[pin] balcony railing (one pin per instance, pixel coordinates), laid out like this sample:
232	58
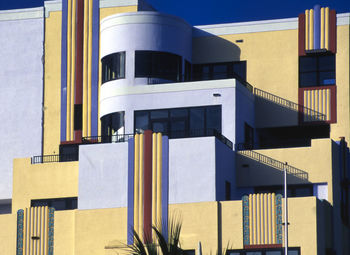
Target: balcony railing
246	151
316	116
54	158
171	134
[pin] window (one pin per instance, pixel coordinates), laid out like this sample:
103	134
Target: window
113	67
227	190
154	64
248	137
317	70
67	203
223	70
180	122
112	126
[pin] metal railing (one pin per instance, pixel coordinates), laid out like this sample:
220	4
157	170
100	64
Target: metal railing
316	116
171	134
107	139
54	158
241	149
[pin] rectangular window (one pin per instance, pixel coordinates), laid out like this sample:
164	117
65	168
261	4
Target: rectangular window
316	70
113	67
222	70
67	203
227	190
180	122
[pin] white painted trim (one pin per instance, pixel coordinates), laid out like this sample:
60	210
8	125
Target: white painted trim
142	17
52	6
343	19
114	3
257	26
107	92
20	14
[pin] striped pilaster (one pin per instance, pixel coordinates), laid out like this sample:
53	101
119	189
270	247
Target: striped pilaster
147	185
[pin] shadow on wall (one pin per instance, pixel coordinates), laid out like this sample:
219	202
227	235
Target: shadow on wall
255	169
202	48
272	111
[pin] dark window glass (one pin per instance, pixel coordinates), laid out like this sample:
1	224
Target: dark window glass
112	125
227	190
222	70
240	70
113	67
78	117
159	114
188	71
153	64
213	118
197	121
248	136
308	79
181	112
180	122
68	203
316	70
327	78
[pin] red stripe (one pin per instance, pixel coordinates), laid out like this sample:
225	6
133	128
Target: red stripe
78	136
302	34
334	104
79	52
147	188
332	31
301	106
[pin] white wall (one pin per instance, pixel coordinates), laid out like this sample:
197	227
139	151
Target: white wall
21	84
194	172
115	98
144	31
103	175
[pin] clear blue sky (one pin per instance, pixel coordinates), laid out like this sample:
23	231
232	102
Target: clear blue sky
198	12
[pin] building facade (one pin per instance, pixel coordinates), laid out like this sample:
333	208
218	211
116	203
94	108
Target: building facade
133	117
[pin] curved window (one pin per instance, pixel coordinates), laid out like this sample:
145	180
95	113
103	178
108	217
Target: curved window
112	126
113	67
154	64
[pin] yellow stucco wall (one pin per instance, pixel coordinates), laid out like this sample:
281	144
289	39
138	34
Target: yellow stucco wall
8	233
64	231
342	127
272	58
97	229
52	83
103	231
38	181
315	160
302	231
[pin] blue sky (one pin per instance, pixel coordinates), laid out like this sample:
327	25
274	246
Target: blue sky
200	12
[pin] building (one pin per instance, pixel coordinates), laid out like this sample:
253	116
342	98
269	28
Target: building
131	116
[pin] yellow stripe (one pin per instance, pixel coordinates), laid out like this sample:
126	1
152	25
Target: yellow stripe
89	68
136	183
311	22
273	198
69	60
250	220
329	104
307	29
141	188
322	28
265	219
73	70
254	218
159	178
269	209
85	71
326	29
154	179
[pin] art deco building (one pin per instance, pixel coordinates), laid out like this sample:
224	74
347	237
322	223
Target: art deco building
116	117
